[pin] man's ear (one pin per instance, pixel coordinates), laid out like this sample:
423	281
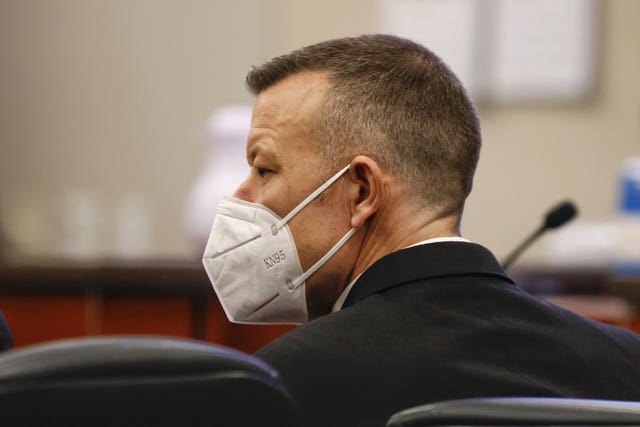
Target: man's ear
366	191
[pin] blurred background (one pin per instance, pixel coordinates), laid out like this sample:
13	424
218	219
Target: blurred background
104	104
107	108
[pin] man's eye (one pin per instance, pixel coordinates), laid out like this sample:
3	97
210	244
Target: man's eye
262	172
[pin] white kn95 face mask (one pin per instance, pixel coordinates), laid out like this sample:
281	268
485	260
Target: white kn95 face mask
252	261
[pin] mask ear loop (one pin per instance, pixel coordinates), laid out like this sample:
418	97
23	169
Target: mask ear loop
276	227
308	200
300	280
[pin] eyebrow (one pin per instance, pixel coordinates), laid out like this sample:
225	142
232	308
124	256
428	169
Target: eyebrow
258	148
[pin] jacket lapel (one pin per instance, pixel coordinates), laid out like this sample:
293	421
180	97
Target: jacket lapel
425	262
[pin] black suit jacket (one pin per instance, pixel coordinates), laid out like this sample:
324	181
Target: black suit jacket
6	341
443	321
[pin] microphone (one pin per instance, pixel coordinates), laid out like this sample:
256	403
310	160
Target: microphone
556	217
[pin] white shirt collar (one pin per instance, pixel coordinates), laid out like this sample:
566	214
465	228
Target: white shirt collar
340	301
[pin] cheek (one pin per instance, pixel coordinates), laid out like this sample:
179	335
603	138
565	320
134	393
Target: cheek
315	231
306	234
281	196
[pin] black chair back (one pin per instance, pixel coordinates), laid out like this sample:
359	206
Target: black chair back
512	411
133	381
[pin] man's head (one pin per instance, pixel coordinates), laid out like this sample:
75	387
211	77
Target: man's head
390	110
394	101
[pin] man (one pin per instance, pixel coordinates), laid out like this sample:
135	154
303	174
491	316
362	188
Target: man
402	311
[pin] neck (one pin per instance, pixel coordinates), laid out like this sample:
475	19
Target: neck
392	230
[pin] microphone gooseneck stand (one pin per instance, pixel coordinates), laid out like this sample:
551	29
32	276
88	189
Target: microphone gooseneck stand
556	217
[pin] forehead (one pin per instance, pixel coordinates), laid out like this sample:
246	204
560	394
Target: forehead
289	107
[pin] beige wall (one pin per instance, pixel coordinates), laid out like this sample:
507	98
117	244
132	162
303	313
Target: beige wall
534	157
104	99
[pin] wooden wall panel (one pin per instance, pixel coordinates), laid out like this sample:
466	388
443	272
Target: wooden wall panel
149	316
49	302
37	318
217	325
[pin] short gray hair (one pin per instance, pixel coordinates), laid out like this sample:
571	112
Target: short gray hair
395	101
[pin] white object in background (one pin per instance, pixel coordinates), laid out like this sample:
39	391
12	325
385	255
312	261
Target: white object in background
133	221
446	27
544	50
80	222
582	243
224	170
505	51
627	253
